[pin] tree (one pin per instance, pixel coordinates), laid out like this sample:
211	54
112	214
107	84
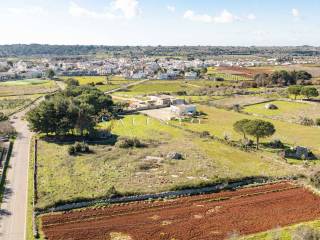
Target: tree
303	75
295	90
50	74
309	92
239	127
72	82
259	129
75	108
85	120
283	78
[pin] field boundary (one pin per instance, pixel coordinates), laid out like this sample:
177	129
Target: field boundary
214	188
25	107
7	157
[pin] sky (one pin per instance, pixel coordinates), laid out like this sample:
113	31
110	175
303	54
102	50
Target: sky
161	22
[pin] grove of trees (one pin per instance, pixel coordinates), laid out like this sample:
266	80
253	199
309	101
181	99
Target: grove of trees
306	91
76	110
281	78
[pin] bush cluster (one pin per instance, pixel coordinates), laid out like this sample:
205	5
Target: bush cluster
130	143
78	148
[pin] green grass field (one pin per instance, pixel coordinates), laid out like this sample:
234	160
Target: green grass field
283	108
287	111
25	82
156	86
219	122
27	87
115	80
64	177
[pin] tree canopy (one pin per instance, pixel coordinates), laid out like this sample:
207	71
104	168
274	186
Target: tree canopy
73	110
295	90
256	128
309	92
282	78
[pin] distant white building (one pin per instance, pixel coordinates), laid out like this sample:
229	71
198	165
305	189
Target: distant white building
161	100
183	109
191	75
163	76
139	75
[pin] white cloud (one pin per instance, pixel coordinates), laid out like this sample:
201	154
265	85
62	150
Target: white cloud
171	8
129	8
118	9
224	17
33	10
295	12
190	15
251	16
76	11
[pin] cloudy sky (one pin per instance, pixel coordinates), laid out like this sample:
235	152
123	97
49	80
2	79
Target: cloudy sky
161	22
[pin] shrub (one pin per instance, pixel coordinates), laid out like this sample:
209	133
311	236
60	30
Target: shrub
84	148
204	134
318	122
112	192
3	117
78	147
315	179
99	83
305	233
306	121
276	144
71	150
130	143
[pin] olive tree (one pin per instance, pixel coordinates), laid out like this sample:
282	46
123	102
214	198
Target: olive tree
239	127
309	92
295	90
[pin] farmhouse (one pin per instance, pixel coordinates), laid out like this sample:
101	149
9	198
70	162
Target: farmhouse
162	99
183	109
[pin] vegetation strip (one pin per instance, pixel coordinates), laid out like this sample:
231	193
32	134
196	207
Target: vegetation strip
188	192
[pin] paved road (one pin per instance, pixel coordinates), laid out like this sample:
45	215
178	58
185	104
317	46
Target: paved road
14	206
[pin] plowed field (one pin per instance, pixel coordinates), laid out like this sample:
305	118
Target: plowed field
213	216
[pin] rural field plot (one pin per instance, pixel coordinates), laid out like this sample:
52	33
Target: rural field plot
206	217
145	170
11	104
169	86
27	87
229	102
220	122
287	111
230	74
158	86
114	81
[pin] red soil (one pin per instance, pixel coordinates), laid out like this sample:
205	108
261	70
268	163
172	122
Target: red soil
213	216
242	71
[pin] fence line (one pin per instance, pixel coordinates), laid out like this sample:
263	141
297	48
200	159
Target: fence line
35	190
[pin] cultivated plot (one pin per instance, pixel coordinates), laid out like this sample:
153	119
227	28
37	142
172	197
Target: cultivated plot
207	217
